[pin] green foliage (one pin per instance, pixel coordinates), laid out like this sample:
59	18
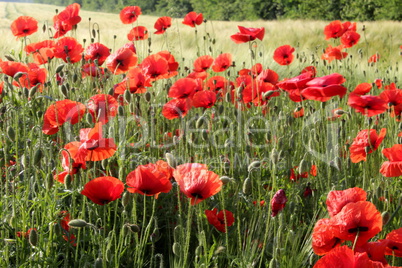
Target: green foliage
361	10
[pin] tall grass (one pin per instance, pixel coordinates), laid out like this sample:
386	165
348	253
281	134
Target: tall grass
140	231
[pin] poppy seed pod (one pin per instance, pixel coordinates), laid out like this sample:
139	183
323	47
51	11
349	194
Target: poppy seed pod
33	237
77	223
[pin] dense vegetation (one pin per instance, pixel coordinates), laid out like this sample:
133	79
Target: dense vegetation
360	10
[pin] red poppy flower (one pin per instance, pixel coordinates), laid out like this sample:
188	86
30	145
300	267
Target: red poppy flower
97	51
268	76
278	202
358	221
138	33
294	85
68	49
130	14
248	34
10	68
336	200
121	61
375	250
94	145
162	24
103	190
184	88
219	84
34	77
362	146
155	67
362	89
283	55
220	220
59	113
344	257
394	243
349	39
102	107
65	20
367	104
176	108
335	29
374	58
90	69
378	83
196	181
24	26
136	82
70	168
204	99
393	97
192	19
42	51
149	180
393	167
323	88
203	63
172	63
254	71
222	62
333	53
323	240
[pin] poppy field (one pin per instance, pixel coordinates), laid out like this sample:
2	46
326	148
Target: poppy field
138	141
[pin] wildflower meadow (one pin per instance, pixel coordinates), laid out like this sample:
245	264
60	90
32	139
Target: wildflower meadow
137	141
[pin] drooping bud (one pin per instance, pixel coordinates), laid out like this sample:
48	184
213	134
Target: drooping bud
77	223
247	186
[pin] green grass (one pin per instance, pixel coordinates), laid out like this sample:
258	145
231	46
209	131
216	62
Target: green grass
172	233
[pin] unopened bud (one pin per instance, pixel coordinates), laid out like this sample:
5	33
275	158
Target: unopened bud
176	248
33	237
147	96
59	68
68	181
200	122
37	157
125	200
11	133
385	217
133	228
171	160
303	166
98	263
127	96
63	90
225	179
77	223
247	187
339	112
254	165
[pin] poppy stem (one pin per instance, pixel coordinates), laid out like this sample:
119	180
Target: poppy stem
357	236
188	232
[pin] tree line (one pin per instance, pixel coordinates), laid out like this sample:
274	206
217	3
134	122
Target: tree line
358	10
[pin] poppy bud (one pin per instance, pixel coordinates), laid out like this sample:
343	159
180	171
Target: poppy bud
221	109
254	165
32	91
367	149
98	263
9	57
57	229
25	91
18	75
303	166
205	135
77	223
111	91
385	217
63	90
11	133
225	179
127	96
200	121
176	249
278	202
37	156
171	160
267	94
59	68
219	250
275	156
133	228
33	237
147	96
247	186
67	181
339	112
49	181
125	200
